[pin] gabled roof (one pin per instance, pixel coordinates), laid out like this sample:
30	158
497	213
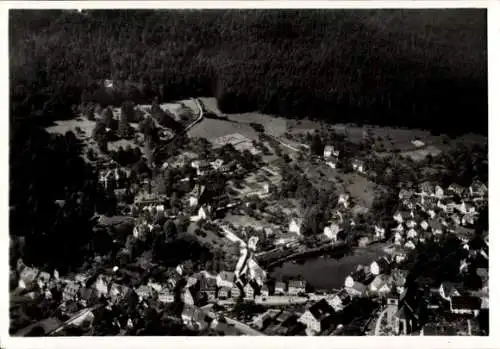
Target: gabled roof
297	283
379	281
208	284
321	310
280	284
227	276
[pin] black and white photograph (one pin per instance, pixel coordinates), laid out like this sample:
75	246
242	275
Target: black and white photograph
247	171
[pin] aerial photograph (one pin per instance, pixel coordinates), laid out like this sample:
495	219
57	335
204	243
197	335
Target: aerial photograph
248	172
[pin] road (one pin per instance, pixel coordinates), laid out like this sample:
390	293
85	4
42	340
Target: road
240	326
188	127
244	328
378	324
82	313
284	144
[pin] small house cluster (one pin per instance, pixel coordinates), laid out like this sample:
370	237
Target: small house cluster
431	211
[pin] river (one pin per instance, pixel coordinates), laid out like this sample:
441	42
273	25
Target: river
326	273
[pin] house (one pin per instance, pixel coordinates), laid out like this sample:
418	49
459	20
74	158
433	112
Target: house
465	305
70	291
436	227
478	189
408	204
296	287
456	189
145	292
43	279
410	245
340	300
201	166
225	279
364	241
118	292
331	232
358	166
87	296
295	226
398	277
264	291
264	319
332	164
405	194
279	288
195	318
411	223
379	266
140	231
27	277
431	213
248	291
398	239
381	285
328	151
441	206
405	319
449	289
286	239
379	233
464	234
217	164
402	217
468	219
195	195
102	285
357	289
223	292
484	275
438	192
208	286
455	219
398	255
411	234
424	225
343	200
316	317
204	212
166	296
426	188
400	228
235	292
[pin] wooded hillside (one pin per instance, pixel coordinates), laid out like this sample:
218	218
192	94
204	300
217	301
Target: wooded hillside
416	68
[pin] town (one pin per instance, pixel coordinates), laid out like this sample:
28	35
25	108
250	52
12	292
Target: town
200	235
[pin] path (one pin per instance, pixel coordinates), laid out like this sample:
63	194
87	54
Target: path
378	324
81	314
240	326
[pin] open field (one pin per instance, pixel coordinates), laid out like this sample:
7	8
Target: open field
212	129
211	238
244	221
273	125
63	126
360	188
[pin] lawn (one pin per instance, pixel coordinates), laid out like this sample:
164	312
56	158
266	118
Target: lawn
212	129
211	238
273	125
360	188
63	126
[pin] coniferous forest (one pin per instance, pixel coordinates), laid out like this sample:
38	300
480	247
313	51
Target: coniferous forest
412	68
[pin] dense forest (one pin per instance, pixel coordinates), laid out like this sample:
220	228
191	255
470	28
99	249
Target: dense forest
410	68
